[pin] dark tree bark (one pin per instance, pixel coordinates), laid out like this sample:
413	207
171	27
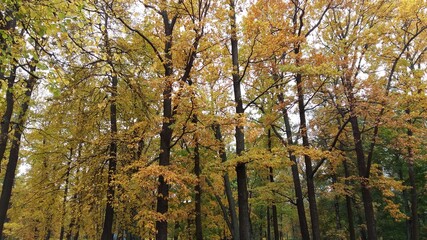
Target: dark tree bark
268	218
273	207
348	202
166	132
7	115
107	230
295	176
362	166
75	206
229	194
414	233
18	129
64	199
308	163
364	184
336	207
198	188
242	178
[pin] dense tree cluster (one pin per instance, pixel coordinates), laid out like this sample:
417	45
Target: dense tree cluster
266	119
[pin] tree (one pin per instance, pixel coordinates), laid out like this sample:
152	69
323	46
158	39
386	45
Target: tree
150	119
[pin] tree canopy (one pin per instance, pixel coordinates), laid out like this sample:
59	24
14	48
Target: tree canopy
266	119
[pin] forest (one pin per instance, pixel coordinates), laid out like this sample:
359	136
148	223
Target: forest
205	119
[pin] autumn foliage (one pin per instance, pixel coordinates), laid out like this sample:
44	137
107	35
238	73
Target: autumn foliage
268	119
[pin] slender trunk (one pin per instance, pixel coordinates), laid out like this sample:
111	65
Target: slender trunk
366	193
48	234
175	232
18	129
7	115
64	199
350	214
274	212
314	216
362	227
300	199
275	223
198	190
273	207
76	236
107	232
224	211
75	205
227	186
268	235
242	178
336	206
295	176
405	200
74	226
413	191
166	132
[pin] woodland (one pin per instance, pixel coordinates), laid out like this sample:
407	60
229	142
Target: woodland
204	119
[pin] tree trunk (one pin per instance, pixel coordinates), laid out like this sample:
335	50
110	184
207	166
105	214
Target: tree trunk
7	115
414	234
18	129
198	190
314	216
405	200
107	232
166	132
268	235
364	184
242	178
295	176
336	206
273	207
227	187
64	199
350	214
175	232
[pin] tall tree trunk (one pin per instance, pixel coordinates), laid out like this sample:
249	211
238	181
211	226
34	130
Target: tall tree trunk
198	188
350	214
75	205
227	187
295	176
268	218
175	232
362	228
336	207
7	115
308	163
107	232
242	178
64	199
166	132
18	129
275	223
413	192
405	200
364	184
273	207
